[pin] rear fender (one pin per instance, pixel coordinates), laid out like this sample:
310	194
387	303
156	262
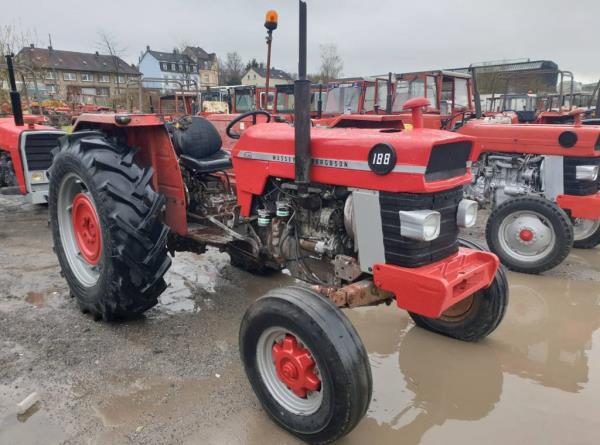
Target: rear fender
149	135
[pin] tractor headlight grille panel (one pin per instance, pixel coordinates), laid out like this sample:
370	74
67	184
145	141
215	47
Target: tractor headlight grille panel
586	172
422	225
466	215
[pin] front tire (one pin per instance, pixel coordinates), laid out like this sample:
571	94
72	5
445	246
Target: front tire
306	364
476	316
586	233
107	227
529	234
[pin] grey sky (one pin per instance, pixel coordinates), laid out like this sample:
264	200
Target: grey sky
372	36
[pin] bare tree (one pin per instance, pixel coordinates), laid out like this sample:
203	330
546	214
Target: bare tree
13	38
232	69
113	48
331	62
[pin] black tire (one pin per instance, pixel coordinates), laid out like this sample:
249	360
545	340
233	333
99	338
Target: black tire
559	223
343	363
589	242
486	310
196	137
133	236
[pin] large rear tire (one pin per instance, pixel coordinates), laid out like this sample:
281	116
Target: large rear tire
306	364
107	226
529	234
475	317
586	232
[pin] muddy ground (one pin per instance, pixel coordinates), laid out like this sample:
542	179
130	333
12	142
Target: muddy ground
174	377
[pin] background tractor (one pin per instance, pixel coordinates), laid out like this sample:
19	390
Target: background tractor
25	150
363	216
540	180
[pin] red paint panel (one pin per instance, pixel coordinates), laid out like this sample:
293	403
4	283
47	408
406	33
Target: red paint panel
430	290
581	206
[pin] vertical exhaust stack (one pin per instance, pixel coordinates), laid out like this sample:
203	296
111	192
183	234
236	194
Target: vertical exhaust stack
302	108
15	97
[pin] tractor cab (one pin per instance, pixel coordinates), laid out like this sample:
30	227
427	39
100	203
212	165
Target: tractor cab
249	98
525	106
449	92
284	100
356	96
178	104
216	100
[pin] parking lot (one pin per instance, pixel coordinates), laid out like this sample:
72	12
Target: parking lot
175	376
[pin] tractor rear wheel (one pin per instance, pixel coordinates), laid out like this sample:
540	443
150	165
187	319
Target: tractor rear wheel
306	364
475	317
586	233
529	234
107	226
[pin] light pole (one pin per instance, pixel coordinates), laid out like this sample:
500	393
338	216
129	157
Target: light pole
271	25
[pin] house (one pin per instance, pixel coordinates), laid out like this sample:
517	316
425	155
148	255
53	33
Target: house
73	76
258	76
208	65
176	71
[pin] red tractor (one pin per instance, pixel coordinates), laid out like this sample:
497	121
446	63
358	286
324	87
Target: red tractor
25	150
364	216
540	180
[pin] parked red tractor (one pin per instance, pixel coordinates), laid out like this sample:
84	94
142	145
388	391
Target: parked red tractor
540	180
366	216
25	150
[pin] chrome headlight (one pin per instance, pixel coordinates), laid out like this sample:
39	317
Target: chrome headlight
586	172
37	177
422	225
466	215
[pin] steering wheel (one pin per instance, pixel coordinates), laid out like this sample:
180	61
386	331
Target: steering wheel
253	113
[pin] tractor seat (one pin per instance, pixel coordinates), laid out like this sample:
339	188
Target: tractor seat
221	160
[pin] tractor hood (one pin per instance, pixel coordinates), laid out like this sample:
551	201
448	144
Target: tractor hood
418	161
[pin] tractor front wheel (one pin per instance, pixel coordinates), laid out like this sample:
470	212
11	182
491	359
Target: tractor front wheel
586	233
529	234
475	317
107	227
306	364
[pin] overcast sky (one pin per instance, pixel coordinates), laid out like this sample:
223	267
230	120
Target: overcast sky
373	36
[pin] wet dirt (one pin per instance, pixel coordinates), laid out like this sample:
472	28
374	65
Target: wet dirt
174	376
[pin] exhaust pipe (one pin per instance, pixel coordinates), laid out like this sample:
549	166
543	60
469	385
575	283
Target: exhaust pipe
302	108
15	97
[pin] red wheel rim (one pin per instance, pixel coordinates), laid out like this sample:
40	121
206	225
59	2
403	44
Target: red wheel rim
295	366
86	227
526	235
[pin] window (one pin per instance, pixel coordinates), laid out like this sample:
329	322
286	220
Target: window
193	67
432	91
88	91
104	78
461	94
164	66
102	91
121	79
206	78
180	67
369	104
343	98
172	67
69	76
406	90
51	89
87	77
50	75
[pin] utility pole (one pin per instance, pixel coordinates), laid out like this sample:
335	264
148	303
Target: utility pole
271	25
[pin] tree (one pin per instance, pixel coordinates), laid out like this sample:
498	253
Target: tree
13	38
232	69
252	64
110	45
331	62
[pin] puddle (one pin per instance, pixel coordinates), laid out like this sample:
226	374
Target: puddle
35	428
542	363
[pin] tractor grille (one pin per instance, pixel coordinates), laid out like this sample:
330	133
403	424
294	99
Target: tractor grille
573	186
448	161
38	149
406	252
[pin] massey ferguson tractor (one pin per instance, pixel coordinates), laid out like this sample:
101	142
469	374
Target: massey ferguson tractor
540	180
25	149
363	216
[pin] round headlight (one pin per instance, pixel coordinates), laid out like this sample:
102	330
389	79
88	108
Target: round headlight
431	227
466	215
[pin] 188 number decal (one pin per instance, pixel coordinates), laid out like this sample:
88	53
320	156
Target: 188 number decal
382	159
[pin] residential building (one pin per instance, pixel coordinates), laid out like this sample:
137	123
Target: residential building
74	76
169	71
207	63
258	76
